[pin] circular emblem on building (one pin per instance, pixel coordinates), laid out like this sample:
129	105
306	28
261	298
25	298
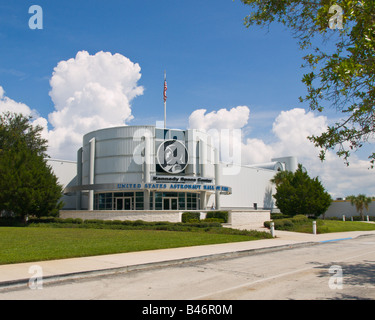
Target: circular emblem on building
172	156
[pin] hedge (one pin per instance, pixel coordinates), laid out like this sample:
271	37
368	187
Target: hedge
288	223
187	216
223	215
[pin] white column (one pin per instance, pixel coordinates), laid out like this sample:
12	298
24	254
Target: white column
147	159
79	178
203	156
147	175
217	179
92	173
203	200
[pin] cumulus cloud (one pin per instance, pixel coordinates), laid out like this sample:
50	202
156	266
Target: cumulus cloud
224	126
90	92
234	118
290	131
7	104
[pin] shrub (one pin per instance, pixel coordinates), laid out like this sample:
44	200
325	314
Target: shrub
287	224
139	223
214	220
275	216
69	220
11	222
218	215
300	218
187	216
297	193
93	221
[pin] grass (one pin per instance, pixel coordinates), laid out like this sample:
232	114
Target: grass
20	244
327	226
302	224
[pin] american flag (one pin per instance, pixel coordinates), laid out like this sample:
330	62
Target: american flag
165	88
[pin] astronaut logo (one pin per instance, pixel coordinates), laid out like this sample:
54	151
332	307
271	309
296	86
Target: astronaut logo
172	156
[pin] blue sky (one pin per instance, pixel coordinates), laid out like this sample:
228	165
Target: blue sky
212	61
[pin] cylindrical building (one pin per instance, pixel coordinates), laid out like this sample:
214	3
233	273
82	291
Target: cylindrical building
145	168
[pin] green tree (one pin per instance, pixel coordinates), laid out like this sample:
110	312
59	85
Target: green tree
297	193
342	64
360	202
27	184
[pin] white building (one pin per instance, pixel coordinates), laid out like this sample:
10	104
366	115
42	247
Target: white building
144	168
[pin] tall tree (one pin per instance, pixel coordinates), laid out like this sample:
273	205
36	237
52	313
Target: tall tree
27	184
343	78
297	193
360	202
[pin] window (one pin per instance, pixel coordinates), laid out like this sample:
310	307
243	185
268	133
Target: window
103	201
119	201
151	200
139	200
181	201
158	200
191	201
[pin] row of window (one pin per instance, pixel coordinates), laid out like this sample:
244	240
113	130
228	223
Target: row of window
174	201
135	201
119	201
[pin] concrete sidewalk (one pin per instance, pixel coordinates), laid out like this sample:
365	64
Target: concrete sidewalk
60	270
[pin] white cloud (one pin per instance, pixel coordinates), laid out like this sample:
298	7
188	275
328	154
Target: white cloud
7	104
234	118
256	151
224	126
90	92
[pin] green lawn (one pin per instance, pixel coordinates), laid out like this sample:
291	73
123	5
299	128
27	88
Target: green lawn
37	244
300	223
327	226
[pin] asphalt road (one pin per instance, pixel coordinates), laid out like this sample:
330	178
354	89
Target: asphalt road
334	270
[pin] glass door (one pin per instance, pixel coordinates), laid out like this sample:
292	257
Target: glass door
166	204
174	203
127	203
124	203
170	203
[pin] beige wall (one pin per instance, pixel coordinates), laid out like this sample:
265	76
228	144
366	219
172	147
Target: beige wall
236	217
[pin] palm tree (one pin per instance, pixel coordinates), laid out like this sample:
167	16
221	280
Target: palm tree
360	202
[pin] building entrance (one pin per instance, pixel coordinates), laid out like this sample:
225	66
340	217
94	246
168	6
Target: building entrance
170	203
124	203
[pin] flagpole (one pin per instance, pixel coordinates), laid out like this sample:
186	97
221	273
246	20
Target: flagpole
165	100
